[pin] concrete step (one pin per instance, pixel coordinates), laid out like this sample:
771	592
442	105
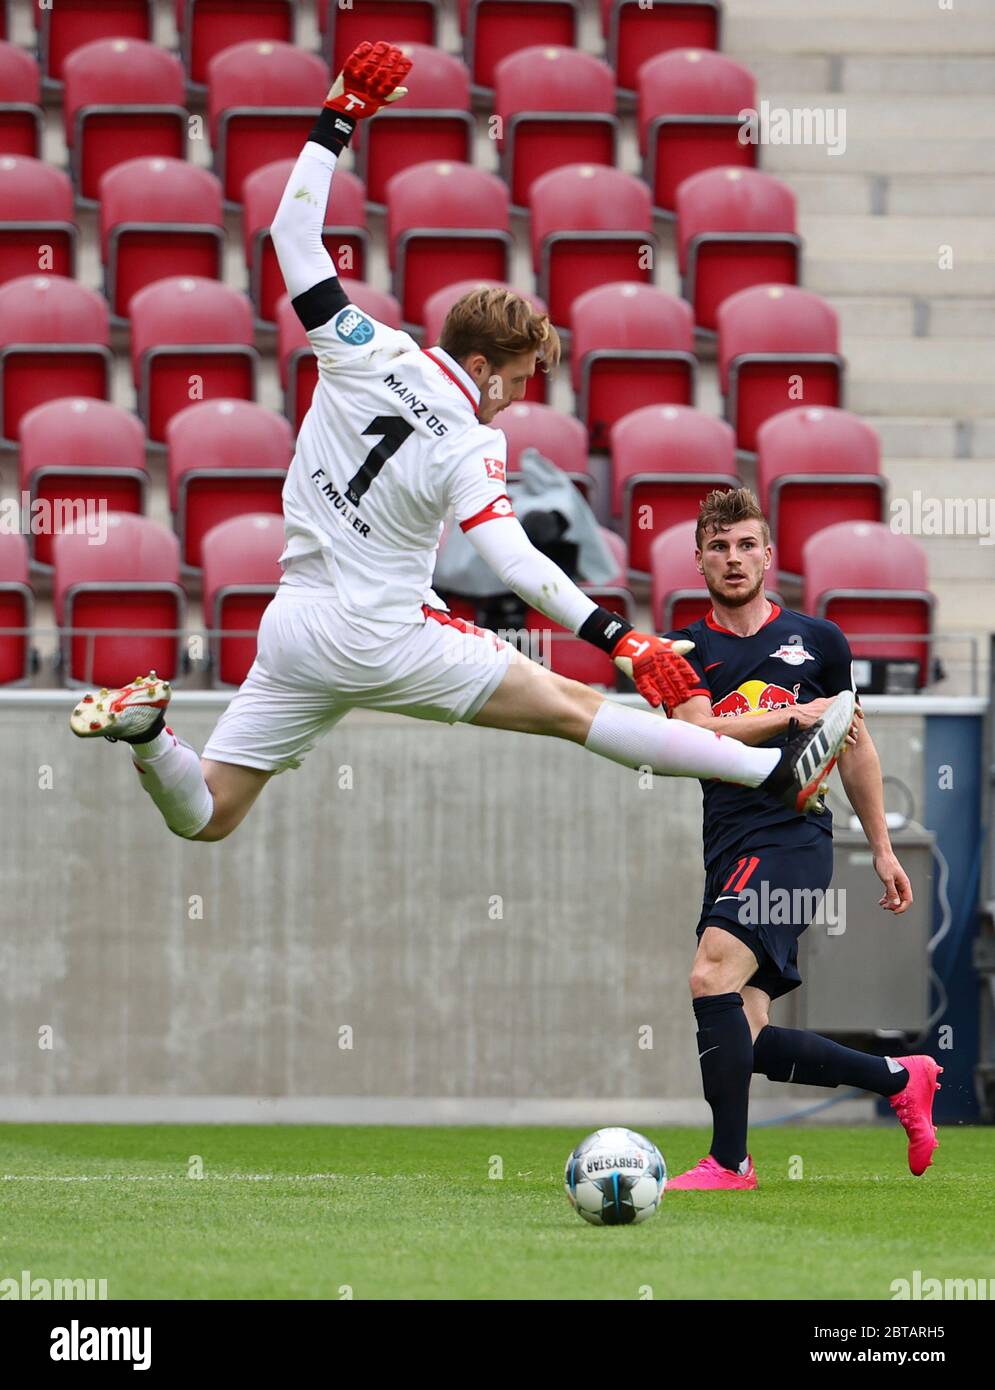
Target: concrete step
835	10
938	75
960	318
870	316
917	436
926	32
963	605
868	153
924	376
863	316
812	72
830	274
900	238
909	117
982	437
909	195
833	192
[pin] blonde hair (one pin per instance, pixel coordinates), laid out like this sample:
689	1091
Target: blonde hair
720	510
500	324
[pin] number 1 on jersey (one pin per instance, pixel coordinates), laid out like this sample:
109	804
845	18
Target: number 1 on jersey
395	431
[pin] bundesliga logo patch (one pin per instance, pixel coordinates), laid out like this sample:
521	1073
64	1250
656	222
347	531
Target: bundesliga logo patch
495	469
354	327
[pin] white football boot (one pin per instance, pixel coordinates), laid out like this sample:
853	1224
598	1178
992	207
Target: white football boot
124	715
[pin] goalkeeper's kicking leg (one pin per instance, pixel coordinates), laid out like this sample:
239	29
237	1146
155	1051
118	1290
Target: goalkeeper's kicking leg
206	799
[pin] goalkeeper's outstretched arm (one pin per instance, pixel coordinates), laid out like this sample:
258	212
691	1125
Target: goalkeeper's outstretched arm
657	666
369	80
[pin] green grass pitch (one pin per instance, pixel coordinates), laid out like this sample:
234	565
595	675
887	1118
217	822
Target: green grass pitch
325	1212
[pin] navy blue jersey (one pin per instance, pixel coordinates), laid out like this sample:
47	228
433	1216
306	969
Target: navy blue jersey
794	658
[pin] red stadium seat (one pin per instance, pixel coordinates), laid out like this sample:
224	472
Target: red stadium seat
396	21
816	466
16	608
65	25
560	438
664	459
555	106
130	583
295	357
631	345
590	225
241	575
54	341
494	28
884	597
262	100
636	31
225	458
206	27
445	222
81	451
191	339
20	102
158	217
38	232
735	228
689	105
123	99
778	345
432	123
437	306
345	235
679	596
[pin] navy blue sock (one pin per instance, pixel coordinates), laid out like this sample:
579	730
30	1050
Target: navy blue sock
725	1052
789	1054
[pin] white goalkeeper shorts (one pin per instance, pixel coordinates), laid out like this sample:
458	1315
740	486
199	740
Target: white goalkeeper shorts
313	666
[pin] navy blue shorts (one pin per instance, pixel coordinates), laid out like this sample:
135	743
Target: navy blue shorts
766	893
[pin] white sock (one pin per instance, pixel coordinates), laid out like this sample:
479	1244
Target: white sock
672	748
170	772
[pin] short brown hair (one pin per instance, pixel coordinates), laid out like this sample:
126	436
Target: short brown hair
500	324
721	509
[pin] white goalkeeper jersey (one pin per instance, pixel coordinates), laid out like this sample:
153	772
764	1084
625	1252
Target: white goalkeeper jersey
391	443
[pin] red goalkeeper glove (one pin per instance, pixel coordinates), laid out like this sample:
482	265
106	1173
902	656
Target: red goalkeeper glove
657	666
370	79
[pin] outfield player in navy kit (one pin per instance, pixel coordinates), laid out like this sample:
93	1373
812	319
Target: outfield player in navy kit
760	668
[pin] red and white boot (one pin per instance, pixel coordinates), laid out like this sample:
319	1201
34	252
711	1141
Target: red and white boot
124	714
914	1108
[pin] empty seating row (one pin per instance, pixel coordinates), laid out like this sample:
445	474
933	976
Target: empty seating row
120	605
491	29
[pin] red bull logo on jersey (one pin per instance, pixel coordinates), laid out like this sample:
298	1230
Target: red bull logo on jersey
754	697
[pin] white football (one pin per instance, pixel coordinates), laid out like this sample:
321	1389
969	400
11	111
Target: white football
615	1177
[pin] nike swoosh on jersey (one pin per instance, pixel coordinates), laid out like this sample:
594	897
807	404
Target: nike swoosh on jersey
729	898
707	1051
713	665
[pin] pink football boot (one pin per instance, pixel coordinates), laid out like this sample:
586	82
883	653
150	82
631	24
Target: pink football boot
710	1174
914	1108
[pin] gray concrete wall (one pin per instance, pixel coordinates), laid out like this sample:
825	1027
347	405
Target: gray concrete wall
495	918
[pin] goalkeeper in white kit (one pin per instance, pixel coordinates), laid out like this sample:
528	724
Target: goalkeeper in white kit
396	438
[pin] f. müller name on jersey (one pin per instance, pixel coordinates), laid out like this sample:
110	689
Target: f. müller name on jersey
419	408
340	504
